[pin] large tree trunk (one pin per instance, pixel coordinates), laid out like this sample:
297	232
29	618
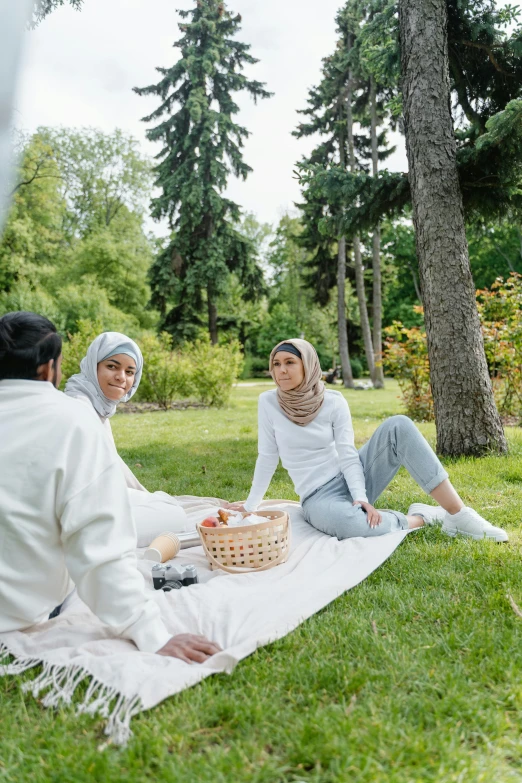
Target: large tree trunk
212	317
357	260
376	254
465	413
341	315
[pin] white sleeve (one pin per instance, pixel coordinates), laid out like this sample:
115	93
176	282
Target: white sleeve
267	459
99	541
348	454
130	479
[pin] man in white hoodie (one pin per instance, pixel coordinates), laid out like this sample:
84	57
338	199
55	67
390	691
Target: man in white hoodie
65	517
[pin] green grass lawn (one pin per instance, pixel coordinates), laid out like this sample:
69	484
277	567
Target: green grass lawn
415	675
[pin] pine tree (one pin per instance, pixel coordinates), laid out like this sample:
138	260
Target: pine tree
340	101
326	115
371	111
202	147
485	77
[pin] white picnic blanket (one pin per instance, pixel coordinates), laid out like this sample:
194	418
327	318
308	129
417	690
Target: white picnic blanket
239	612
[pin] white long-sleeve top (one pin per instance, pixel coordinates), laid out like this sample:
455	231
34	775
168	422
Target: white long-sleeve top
130	479
312	455
65	515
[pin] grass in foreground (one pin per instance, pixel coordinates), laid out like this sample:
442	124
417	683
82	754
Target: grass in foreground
412	676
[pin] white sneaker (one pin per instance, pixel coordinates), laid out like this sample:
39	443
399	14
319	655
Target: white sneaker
468	523
431	515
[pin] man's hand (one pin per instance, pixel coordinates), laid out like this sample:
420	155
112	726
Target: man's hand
236	506
190	648
374	518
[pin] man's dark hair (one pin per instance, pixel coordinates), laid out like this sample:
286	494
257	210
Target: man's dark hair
27	341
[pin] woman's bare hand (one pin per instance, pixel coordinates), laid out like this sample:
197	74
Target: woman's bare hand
374	518
189	648
236	506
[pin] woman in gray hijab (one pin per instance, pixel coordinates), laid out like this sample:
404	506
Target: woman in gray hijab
110	373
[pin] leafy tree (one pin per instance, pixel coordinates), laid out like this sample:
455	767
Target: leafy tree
495	250
201	148
292	309
287	259
60	254
400	273
101	174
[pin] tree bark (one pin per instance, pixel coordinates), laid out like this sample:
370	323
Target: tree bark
212	318
465	414
342	331
357	260
378	381
341	315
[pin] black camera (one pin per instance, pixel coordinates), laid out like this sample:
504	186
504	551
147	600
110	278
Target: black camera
171	577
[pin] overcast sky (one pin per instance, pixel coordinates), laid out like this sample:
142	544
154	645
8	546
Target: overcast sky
80	68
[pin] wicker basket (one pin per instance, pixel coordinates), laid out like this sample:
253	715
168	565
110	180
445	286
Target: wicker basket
248	548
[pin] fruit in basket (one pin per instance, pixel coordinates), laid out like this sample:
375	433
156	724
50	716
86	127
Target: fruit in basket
211	522
223	515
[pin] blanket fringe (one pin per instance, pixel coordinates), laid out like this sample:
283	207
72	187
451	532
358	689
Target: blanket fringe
61	682
18	666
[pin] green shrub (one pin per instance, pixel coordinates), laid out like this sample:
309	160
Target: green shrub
214	369
254	367
357	367
199	370
500	311
75	348
167	374
406	358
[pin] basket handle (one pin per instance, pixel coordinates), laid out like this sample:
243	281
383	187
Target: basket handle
244	569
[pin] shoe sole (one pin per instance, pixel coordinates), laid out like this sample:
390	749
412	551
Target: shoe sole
500	538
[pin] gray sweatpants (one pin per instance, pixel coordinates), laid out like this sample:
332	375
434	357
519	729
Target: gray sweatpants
396	442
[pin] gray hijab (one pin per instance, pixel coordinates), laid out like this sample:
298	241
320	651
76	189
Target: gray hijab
85	383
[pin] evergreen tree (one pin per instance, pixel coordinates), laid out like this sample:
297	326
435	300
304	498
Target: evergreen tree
201	148
325	115
344	99
371	109
485	78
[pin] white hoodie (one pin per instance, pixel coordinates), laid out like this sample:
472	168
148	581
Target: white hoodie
65	515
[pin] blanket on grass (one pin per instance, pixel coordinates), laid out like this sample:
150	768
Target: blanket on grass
239	612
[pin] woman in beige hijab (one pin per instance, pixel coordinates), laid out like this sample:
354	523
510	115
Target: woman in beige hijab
310	429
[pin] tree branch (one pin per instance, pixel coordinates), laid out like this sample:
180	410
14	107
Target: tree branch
492	58
35	176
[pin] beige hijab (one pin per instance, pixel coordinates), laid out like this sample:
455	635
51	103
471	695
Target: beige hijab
302	404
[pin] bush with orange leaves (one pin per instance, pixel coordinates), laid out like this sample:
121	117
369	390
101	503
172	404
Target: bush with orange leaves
406	358
500	311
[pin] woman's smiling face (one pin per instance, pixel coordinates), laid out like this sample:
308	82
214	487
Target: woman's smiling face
116	376
288	370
